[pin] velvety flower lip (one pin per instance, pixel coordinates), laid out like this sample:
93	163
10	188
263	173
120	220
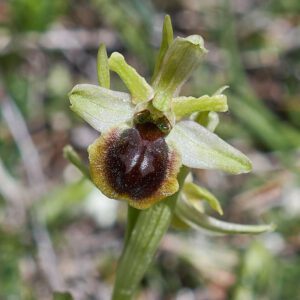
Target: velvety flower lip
139	167
144	138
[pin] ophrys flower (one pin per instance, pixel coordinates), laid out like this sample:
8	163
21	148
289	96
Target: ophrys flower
150	137
144	139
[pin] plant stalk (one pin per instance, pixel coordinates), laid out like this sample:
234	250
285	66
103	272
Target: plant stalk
143	242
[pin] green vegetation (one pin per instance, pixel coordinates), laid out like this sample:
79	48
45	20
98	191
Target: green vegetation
59	234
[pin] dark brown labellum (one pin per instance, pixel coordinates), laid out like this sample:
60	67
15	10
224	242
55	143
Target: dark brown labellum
136	163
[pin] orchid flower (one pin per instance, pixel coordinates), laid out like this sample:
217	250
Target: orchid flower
144	137
149	139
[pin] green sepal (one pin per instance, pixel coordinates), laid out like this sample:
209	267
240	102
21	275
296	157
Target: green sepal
195	192
102	67
167	39
184	106
100	107
190	214
202	149
139	89
181	58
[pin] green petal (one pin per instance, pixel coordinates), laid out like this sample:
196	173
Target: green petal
183	106
202	149
102	67
139	89
100	107
195	218
181	58
167	39
209	120
195	192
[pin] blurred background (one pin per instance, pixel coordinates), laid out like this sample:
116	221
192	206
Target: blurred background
58	233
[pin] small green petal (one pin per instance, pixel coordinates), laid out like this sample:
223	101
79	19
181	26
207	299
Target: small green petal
100	107
209	120
197	219
195	192
181	58
167	39
183	106
203	149
221	90
102	67
139	89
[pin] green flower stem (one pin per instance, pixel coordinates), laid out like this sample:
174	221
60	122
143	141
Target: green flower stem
132	216
148	231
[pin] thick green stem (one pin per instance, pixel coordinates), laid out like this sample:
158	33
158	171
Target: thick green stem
148	231
132	216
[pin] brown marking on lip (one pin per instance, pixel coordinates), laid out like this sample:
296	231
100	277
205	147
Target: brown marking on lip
134	164
137	161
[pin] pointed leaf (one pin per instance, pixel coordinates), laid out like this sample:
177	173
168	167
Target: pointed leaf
102	67
187	105
202	149
181	58
139	89
189	214
196	192
100	107
167	39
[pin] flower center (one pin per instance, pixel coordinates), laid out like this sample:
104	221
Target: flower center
137	161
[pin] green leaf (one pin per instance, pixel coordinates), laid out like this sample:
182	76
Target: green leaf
184	106
139	89
103	68
197	219
100	107
195	192
181	58
202	149
167	39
